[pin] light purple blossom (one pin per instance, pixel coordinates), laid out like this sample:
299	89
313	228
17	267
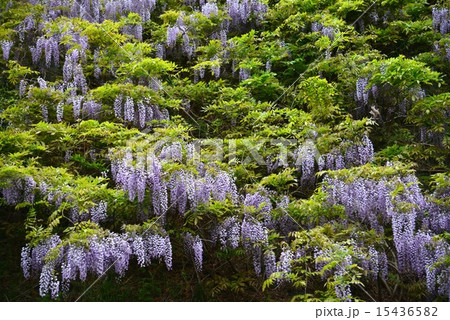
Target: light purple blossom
6	48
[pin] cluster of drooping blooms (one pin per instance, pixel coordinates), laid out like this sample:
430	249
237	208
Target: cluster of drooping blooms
44	112
270	263
284	265
259	201
343	291
50	46
254	237
6	48
139	113
438	219
22	87
96	214
371	201
327	31
240	11
76	106
98	10
24	28
172	151
305	160
355	154
135	180
228	233
323	257
134	30
441	20
261	205
42	83
184	187
19	190
193	247
73	72
101	253
215	67
91	109
33	263
30	185
160	52
210	9
174	32
244	74
13	193
372	261
59	112
362	93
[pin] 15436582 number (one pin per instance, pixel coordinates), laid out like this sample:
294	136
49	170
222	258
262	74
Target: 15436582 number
403	311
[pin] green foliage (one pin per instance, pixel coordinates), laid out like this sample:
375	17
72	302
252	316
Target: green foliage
301	85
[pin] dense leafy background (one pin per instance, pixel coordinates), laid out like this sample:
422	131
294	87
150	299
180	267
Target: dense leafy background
93	89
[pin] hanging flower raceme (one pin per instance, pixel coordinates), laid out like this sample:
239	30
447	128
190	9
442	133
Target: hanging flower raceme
193	247
210	9
140	113
6	48
52	257
254	237
19	190
371	201
441	20
227	233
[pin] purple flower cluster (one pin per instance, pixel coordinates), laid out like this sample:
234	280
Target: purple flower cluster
6	48
98	213
244	74
98	10
210	9
254	236
33	263
270	263
29	188
20	190
172	35
228	233
22	87
59	112
183	187
362	93
373	202
76	261
240	11
327	31
305	161
193	246
284	264
356	154
91	109
173	151
139	113
323	258
438	218
73	72
343	291
441	20
76	106
134	30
